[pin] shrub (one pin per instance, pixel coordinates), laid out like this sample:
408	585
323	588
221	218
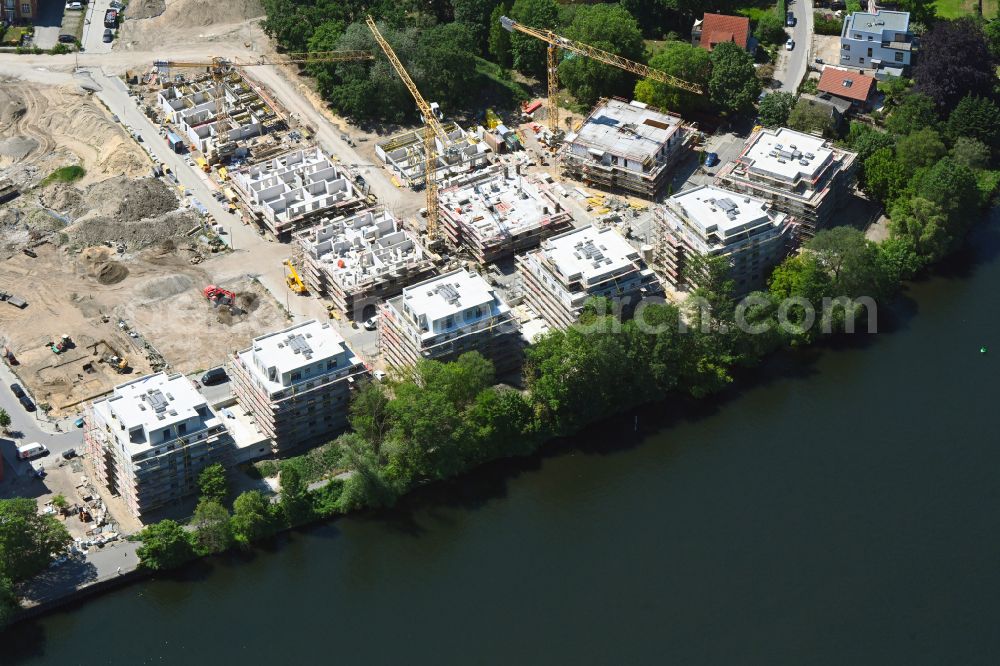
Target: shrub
827	24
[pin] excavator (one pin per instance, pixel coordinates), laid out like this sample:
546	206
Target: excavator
218	296
293	280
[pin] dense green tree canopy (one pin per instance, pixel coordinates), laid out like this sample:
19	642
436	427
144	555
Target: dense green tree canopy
475	15
295	502
916	111
975	118
28	541
952	186
852	262
213	484
253	517
884	177
775	108
499	37
807	116
920	148
212	530
971	153
528	52
607	27
923	225
684	61
165	545
734	85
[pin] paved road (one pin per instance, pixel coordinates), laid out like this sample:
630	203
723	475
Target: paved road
794	63
93	28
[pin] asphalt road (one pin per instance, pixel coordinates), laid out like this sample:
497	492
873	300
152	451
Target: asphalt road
93	28
796	61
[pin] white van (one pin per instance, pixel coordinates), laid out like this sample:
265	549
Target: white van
33	450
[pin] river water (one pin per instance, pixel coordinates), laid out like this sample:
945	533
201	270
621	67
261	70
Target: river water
841	508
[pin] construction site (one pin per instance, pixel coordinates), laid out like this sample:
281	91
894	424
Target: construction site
358	260
404	154
496	213
625	145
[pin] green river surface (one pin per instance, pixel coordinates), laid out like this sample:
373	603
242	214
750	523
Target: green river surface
839	507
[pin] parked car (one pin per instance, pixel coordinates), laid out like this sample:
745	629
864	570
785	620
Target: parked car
711	159
108	36
17	391
116	5
74	5
370	324
27	404
111	19
214	376
69	453
790	19
790	44
67	39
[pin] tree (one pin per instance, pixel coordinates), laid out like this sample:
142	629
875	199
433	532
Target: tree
975	118
165	545
213	484
212	530
916	111
953	187
447	67
921	11
806	116
734	85
9	605
4	420
923	225
954	62
28	541
920	148
475	14
775	108
295	502
607	27
971	153
853	263
771	29
370	416
802	277
60	502
884	177
686	62
370	484
898	258
499	39
253	517
865	140
991	32
528	52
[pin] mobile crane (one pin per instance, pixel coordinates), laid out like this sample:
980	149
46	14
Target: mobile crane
432	130
556	42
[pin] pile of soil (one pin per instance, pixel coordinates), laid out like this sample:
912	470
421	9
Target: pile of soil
247	301
11	106
166	286
14	148
124	199
61	197
134	234
144	9
111	272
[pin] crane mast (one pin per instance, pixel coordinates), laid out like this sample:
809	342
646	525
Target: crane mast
556	42
432	130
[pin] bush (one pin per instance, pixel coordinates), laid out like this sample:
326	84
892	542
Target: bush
59	49
827	24
65	174
771	29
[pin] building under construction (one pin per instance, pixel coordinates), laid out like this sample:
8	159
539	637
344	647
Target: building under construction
361	259
499	213
404	154
625	145
293	190
441	318
194	108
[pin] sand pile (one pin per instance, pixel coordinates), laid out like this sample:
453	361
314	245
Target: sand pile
12	107
165	287
61	197
199	13
112	272
98	264
16	148
125	200
133	233
144	9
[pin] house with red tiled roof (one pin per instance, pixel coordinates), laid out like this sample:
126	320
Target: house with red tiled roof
857	88
714	29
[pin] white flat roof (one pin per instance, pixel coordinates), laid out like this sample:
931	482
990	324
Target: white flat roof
589	252
787	154
714	210
447	295
625	129
298	346
500	204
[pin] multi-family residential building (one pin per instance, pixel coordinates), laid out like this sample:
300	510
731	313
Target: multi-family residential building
448	315
707	222
877	40
570	268
17	12
359	260
800	174
627	145
151	438
297	383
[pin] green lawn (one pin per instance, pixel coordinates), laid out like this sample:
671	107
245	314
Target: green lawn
956	8
12	36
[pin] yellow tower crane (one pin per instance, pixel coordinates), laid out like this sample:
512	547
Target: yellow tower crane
556	42
432	130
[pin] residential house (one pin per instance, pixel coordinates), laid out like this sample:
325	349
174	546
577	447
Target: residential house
714	29
857	88
879	40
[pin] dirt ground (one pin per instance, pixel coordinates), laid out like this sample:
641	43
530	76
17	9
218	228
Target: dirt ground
43	128
152	24
111	304
827	47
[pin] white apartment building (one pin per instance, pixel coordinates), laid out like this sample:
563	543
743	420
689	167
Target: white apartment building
570	268
151	438
708	221
296	383
448	315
